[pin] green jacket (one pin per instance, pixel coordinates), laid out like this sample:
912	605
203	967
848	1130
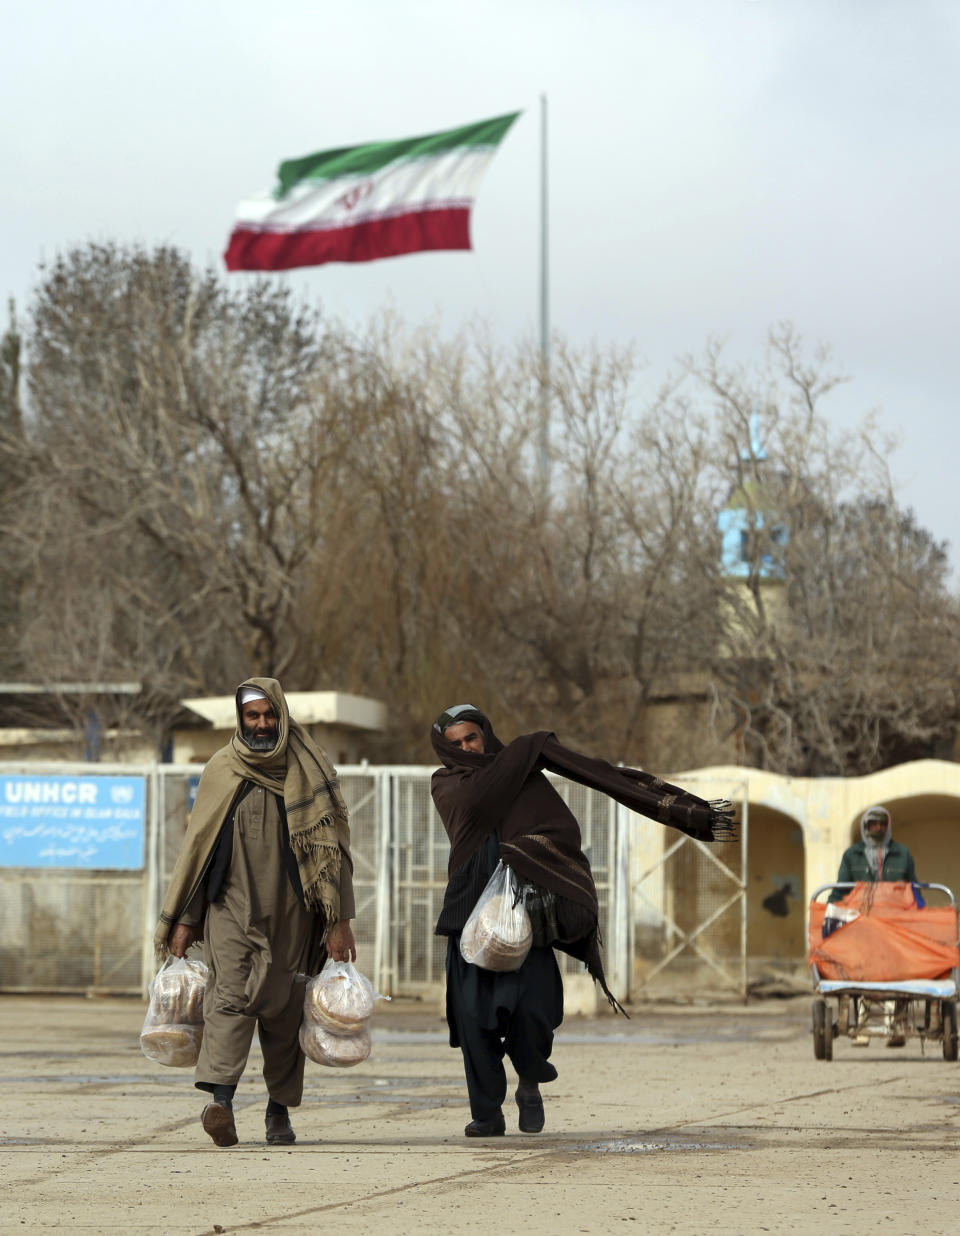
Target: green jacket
897	865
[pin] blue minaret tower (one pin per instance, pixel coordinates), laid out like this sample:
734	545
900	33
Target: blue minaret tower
742	519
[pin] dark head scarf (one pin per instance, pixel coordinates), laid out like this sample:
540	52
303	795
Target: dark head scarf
456	714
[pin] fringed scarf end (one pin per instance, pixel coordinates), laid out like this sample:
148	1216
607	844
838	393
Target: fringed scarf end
614	1002
595	970
316	837
723	823
319	899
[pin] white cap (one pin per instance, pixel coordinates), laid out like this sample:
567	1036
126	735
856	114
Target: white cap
250	693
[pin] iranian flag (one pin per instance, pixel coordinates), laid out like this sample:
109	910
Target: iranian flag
364	202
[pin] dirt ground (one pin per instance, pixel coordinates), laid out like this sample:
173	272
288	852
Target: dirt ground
685	1119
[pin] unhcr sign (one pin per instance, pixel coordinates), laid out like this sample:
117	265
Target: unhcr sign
58	821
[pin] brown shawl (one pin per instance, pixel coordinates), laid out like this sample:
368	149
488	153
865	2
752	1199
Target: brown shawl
503	789
295	768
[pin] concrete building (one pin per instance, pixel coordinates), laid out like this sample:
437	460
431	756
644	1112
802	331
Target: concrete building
89	721
95	722
339	722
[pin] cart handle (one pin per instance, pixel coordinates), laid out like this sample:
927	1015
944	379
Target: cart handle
919	883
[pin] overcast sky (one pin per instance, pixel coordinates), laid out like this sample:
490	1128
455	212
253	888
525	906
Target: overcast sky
715	166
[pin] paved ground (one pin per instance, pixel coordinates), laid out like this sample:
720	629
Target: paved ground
683	1120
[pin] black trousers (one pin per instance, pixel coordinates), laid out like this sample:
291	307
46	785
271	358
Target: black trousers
492	1015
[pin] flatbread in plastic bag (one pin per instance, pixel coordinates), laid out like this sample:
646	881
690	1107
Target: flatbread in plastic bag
339	998
339	1051
173	1026
498	933
337	1004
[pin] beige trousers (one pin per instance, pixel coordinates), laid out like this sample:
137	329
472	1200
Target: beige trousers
257	940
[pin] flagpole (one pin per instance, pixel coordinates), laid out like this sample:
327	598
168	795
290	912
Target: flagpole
544	444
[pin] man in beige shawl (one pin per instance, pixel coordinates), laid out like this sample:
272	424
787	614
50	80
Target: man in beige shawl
264	879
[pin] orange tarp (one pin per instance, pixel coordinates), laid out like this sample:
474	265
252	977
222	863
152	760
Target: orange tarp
893	940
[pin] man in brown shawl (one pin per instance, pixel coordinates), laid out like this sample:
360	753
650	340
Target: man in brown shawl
264	879
496	804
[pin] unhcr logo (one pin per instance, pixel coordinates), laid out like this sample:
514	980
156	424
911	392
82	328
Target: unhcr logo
49	790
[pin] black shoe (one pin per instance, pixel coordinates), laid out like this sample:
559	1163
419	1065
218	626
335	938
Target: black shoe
280	1130
496	1126
217	1120
531	1112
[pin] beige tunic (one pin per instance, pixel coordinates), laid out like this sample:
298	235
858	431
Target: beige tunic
257	939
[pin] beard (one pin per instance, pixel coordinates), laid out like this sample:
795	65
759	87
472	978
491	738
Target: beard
264	742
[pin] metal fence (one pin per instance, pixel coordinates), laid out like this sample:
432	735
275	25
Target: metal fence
65	930
689	907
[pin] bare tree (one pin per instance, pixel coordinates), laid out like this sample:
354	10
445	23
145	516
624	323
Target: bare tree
11	442
566	590
836	651
213	483
181	476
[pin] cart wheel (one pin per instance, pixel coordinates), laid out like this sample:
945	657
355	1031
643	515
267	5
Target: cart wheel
948	1014
822	1031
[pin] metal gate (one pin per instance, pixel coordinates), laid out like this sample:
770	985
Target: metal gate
363	791
418	854
688	906
418	869
65	930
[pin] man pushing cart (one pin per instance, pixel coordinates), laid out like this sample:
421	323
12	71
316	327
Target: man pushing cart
880	942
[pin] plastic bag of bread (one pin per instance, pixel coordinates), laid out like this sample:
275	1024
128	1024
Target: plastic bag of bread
498	934
173	1027
340	1051
339	998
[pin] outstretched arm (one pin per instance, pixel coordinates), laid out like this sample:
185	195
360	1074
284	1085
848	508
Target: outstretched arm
475	796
